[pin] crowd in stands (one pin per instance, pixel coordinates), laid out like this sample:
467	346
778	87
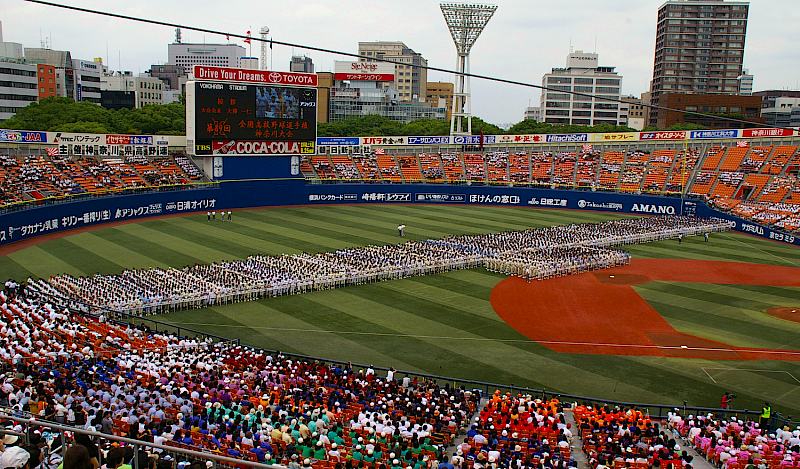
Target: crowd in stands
211	396
615	437
531	254
732	443
764	176
35	177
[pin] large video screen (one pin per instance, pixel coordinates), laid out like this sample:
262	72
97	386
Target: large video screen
241	119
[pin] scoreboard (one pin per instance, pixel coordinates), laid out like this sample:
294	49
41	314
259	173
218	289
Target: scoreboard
238	118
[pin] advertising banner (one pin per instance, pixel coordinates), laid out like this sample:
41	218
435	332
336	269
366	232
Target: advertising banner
242	75
363	71
329	141
703	134
261	147
666	135
755	133
22	136
567	138
614	137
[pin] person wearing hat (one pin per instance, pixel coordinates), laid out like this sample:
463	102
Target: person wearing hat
319	452
15	458
357	455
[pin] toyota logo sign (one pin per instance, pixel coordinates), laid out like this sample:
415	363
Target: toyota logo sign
275	77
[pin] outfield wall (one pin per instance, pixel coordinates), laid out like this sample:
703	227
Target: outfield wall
284	190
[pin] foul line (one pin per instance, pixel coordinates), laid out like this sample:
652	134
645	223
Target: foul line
709	376
751	370
489	339
759	249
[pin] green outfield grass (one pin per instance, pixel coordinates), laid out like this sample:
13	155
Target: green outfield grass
444	324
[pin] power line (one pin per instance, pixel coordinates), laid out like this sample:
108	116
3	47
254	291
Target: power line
395	62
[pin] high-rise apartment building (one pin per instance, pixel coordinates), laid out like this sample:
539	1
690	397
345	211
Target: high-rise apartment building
699	48
410	81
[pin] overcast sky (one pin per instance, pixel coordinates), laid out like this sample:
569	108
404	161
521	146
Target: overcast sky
523	40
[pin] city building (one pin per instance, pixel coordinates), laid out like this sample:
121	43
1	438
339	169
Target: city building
219	55
302	64
440	94
250	63
62	61
635	112
410	80
324	84
11	50
46	81
533	113
170	96
734	106
777	107
173	76
18	86
745	83
146	89
366	88
87	80
646	98
699	48
583	75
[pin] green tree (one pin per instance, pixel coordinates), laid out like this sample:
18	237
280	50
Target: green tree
65	115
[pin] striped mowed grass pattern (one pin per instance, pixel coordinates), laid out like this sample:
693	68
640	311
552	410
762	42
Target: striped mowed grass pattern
444	324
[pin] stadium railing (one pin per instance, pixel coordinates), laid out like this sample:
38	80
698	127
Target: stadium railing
217	459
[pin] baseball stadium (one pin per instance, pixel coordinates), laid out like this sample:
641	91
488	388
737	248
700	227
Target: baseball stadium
607	299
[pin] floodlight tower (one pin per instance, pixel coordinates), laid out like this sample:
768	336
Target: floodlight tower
466	22
264	31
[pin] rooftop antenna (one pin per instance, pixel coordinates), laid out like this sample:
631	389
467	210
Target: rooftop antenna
465	22
570	45
177	35
595	43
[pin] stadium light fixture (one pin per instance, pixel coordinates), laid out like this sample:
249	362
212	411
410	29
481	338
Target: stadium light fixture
465	22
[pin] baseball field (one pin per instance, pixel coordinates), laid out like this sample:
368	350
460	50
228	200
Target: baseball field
682	322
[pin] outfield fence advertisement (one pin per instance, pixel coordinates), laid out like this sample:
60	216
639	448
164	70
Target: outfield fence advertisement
27	224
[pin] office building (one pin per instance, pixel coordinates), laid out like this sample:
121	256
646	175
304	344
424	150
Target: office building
18	86
146	89
302	64
46	81
635	112
699	48
582	75
173	76
366	88
777	107
410	81
533	113
218	55
63	63
440	94
87	80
